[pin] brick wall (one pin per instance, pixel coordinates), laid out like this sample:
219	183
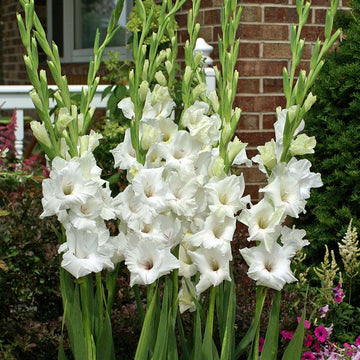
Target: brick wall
264	51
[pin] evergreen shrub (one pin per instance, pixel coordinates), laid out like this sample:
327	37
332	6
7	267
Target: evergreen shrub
335	121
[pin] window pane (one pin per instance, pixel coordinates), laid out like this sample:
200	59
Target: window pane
92	14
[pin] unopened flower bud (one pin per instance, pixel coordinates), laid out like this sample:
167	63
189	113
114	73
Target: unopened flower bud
292	113
35	99
234	148
143	90
40	133
214	100
187	75
63	120
160	78
218	168
226	133
268	154
309	102
80	118
198	56
144	75
198	90
168	66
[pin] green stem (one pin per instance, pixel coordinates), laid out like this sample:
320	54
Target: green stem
86	318
139	303
99	294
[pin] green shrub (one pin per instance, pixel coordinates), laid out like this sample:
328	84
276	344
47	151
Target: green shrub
335	122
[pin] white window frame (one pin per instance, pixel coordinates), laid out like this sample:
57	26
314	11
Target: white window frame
70	54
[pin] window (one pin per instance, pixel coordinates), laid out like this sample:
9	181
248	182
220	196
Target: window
72	25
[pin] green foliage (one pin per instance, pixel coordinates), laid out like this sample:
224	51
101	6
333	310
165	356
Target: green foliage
30	301
334	120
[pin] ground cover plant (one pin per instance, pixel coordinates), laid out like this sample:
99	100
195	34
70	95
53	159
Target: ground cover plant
174	223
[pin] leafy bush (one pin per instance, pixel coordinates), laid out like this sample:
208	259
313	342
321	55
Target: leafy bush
334	120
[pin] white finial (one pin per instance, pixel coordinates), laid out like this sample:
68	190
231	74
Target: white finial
206	49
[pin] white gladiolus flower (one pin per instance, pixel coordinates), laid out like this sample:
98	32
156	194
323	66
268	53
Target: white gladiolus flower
147	263
284	192
181	195
218	231
269	268
263	221
150	190
292	240
124	154
158	103
82	257
83	216
213	265
181	154
302	145
224	196
187	267
127	107
186	295
89	168
66	187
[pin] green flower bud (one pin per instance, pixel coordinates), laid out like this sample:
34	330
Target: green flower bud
214	100
40	133
187	75
64	119
234	148
160	78
143	90
309	102
144	75
218	168
35	99
268	154
199	90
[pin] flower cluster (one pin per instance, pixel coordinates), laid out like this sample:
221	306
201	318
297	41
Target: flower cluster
177	211
288	188
82	201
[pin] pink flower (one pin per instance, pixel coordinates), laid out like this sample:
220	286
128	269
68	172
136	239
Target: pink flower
308	355
321	333
339	294
307	324
308	340
287	334
347	348
324	310
317	346
357	341
261	344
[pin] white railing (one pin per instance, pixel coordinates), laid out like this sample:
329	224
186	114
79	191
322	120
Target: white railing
17	96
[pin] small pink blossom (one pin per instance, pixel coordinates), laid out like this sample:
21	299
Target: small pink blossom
307	324
308	340
348	348
321	333
261	344
357	341
324	310
308	355
287	334
338	293
317	346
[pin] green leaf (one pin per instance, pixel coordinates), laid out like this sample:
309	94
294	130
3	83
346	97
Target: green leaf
105	346
227	348
294	349
147	331
269	351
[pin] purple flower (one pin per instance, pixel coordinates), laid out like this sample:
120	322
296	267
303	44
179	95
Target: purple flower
287	334
338	293
324	310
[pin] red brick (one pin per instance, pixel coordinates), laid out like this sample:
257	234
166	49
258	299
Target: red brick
252	190
276	51
311	33
249	122
248	86
273	85
249	50
251	14
260	67
266	1
181	20
212	17
320	16
256	138
280	15
320	3
253	175
264	32
259	103
268	121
